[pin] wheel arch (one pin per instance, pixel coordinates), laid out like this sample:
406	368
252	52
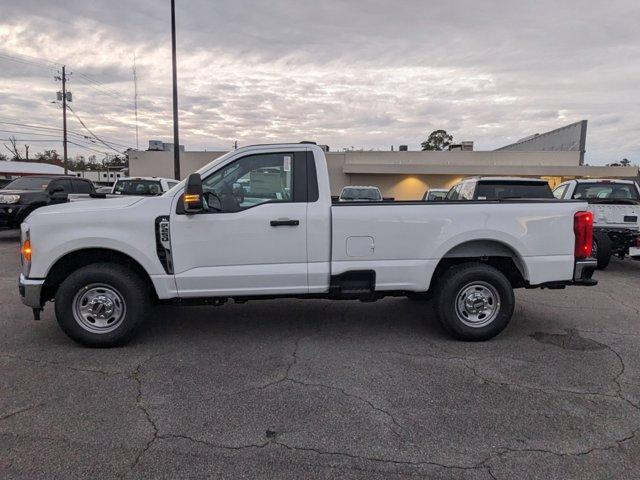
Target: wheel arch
74	260
496	253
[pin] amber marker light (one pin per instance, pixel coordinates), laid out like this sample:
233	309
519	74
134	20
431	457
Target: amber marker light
26	251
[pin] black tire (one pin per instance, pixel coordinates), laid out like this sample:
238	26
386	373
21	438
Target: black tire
601	251
119	290
471	280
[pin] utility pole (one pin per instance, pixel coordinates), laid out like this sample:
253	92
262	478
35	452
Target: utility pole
64	96
64	115
135	97
176	139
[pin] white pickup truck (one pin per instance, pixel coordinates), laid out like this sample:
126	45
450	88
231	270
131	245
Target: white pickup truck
615	205
259	223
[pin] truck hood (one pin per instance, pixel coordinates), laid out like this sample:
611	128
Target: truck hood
93	205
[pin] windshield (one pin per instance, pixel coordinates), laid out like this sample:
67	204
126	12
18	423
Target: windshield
624	191
28	183
137	187
360	194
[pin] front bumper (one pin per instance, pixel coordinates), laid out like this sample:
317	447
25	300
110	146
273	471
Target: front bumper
583	271
31	291
11	215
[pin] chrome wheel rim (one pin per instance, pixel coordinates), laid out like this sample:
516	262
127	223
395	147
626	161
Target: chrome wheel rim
99	308
477	304
594	249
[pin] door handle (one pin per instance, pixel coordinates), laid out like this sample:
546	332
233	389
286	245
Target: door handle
285	223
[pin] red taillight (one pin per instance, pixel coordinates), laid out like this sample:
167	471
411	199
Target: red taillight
583	228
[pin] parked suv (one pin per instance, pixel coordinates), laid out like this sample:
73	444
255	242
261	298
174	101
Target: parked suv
500	188
23	195
615	205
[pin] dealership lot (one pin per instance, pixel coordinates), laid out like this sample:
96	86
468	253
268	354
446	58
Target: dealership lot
319	389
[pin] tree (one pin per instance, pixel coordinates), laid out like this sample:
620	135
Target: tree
49	156
438	140
13	149
622	163
3	157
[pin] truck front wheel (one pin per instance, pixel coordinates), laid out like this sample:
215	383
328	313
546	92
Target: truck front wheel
474	301
101	305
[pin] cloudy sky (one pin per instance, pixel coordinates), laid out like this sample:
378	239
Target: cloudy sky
347	73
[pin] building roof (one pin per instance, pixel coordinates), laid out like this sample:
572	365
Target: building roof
30	168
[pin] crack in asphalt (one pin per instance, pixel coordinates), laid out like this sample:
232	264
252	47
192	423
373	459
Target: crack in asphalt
62	365
618	443
477	466
287	378
22	410
140	404
168	436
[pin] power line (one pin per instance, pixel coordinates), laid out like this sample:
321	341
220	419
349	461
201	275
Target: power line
92	134
32	140
57	129
98	85
22	61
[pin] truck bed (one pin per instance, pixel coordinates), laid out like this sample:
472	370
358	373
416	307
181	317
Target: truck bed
404	241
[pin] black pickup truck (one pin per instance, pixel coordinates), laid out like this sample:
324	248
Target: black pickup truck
23	195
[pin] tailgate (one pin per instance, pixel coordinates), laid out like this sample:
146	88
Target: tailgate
615	216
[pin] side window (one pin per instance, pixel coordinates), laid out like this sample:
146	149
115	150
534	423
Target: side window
559	191
250	181
80	186
454	192
63	182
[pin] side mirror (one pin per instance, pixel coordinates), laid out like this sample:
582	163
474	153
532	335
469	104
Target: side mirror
192	197
55	190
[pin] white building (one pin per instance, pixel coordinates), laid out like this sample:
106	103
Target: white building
14	169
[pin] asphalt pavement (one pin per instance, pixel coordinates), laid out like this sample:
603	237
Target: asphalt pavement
301	389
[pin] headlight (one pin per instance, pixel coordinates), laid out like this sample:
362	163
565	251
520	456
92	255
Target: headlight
9	198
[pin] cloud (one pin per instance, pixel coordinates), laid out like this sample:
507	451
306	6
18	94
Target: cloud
369	74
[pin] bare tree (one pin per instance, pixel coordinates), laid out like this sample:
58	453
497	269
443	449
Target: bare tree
13	150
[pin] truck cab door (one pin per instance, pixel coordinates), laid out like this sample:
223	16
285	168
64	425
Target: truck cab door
251	237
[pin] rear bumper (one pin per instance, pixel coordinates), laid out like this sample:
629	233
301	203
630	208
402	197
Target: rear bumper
30	291
583	271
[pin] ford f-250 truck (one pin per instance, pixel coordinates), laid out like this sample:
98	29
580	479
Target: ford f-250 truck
615	205
258	223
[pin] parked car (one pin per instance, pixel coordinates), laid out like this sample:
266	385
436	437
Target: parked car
615	205
104	190
434	194
4	182
146	186
105	262
498	188
360	194
25	194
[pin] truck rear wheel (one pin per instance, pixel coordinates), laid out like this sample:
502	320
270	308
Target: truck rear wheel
474	301
101	305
